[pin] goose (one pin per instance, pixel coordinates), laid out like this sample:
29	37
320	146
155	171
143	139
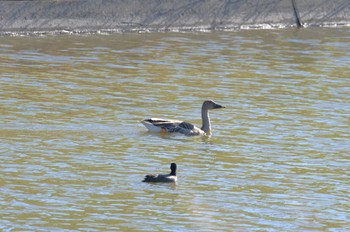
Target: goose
170	126
166	178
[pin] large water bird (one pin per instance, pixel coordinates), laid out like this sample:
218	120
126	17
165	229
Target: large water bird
164	125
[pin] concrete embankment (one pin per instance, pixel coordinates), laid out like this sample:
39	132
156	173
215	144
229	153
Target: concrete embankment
168	15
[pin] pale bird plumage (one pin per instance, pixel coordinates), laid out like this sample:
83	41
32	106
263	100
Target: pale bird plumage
170	126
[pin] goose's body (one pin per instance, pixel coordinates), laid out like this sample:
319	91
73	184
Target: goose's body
171	126
164	125
164	178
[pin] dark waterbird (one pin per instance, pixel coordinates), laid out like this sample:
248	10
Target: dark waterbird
164	178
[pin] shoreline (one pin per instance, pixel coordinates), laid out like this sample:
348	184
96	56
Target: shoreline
118	16
140	30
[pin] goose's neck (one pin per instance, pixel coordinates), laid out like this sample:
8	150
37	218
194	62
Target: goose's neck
173	173
206	126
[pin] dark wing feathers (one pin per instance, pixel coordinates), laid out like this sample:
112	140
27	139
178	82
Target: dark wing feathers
181	127
186	125
174	126
150	178
155	121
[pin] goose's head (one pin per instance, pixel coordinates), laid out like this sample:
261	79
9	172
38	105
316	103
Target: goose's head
173	169
209	105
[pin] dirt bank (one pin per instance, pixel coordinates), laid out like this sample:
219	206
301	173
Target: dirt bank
168	15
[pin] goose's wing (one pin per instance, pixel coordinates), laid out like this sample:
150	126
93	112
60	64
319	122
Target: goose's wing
187	129
158	124
186	125
160	121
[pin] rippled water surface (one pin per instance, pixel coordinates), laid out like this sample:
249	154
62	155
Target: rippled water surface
73	153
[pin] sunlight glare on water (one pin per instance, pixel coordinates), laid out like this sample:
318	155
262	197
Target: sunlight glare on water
73	152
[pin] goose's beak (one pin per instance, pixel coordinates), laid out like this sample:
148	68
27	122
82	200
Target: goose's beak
217	106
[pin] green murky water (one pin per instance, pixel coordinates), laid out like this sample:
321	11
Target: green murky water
73	153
